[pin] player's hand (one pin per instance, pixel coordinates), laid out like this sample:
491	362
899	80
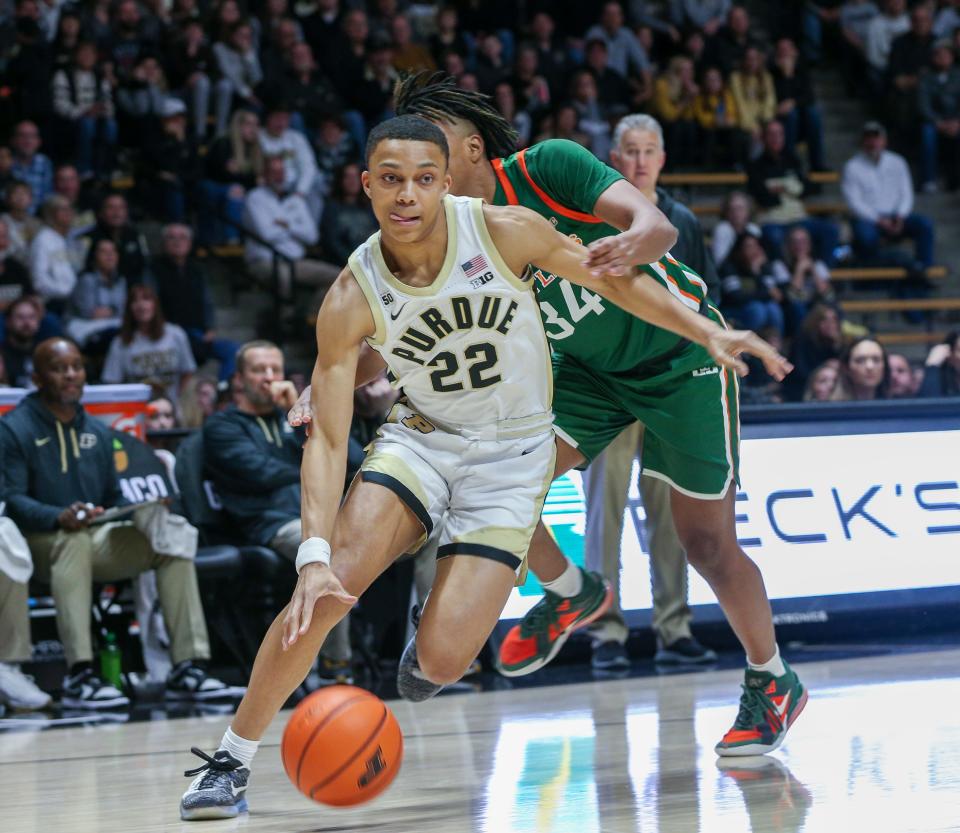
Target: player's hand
301	413
726	346
614	255
315	581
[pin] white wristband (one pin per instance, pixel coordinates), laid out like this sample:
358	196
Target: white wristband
311	551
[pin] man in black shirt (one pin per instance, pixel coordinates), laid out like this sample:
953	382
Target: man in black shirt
113	223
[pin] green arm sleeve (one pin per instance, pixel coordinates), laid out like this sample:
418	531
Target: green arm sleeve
569	173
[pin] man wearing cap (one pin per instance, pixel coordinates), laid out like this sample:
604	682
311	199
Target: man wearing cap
879	193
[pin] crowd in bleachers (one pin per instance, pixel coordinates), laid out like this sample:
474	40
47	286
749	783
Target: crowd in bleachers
226	123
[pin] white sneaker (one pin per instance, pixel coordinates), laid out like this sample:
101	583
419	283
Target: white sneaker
85	690
19	691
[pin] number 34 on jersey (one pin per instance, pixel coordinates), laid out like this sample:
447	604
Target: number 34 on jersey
556	325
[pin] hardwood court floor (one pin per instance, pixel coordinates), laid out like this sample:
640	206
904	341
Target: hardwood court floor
877	749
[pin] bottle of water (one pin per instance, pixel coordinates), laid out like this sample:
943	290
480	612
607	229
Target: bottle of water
110	667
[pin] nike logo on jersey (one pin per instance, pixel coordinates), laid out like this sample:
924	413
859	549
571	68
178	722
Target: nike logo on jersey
705	371
43	442
395	316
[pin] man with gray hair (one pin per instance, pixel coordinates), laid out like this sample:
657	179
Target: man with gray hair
54	276
638	153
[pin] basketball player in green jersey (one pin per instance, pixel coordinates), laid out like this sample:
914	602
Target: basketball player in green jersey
610	370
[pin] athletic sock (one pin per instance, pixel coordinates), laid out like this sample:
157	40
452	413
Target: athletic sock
240	748
568	584
774	665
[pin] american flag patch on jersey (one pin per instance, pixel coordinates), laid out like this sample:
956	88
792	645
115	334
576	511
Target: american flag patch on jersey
474	266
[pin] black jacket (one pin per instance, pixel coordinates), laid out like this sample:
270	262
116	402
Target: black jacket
49	464
254	463
184	293
690	248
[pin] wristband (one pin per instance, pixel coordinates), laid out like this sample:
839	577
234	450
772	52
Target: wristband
311	551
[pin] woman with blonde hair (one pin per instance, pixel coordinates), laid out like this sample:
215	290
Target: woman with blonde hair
674	95
754	93
198	400
822	382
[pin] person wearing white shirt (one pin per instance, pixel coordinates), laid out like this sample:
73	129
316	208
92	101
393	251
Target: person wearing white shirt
879	193
53	273
882	30
280	218
301	174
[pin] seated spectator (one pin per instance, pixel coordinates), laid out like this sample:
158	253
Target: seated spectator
879	193
592	117
408	55
726	48
96	307
161	414
563	124
674	96
140	101
626	55
232	167
54	277
67	39
706	16
21	329
855	17
147	347
348	219
489	66
334	147
714	108
777	183
300	175
53	491
506	102
308	91
864	373
113	223
190	63
253	457
553	59
754	94
199	400
819	340
282	220
822	382
797	108
530	87
240	73
373	96
280	40
802	278
881	31
128	40
22	226
939	106
751	295
902	381
31	166
941	375
447	35
909	57
66	183
184	293
172	163
83	103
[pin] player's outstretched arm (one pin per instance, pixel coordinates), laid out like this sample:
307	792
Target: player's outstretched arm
522	236
342	324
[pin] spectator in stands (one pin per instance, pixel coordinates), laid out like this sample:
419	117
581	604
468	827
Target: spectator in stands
715	110
30	66
728	46
879	193
751	295
613	89
113	222
346	60
307	90
172	162
947	20
447	35
147	347
348	219
881	31
373	94
754	94
902	381
300	175
909	57
489	65
675	93
592	116
198	400
276	55
66	183
626	55
253	457
334	147
83	102
777	183
706	16
822	382
161	416
21	224
184	293
96	306
797	108
190	64
803	279
820	340
140	101
14	277
240	73
506	103
51	269
31	166
128	42
22	325
283	222
54	489
408	55
942	368
233	166
553	59
531	88
939	106
66	39
736	217
855	17
864	372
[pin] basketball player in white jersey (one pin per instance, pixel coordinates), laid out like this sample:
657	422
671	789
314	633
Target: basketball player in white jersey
468	452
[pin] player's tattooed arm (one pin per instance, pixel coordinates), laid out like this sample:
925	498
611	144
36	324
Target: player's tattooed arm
523	237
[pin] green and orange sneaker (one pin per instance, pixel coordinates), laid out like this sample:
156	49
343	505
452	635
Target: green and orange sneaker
540	635
769	706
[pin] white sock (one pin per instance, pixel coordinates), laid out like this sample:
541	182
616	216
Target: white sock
569	583
774	665
240	748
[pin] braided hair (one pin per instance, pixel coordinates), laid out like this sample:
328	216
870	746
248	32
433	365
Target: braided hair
436	96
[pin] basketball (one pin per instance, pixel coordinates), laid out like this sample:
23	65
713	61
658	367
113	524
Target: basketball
342	746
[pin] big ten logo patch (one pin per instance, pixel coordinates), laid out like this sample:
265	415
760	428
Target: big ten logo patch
486	277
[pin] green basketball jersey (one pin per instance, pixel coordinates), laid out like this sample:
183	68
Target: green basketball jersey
562	181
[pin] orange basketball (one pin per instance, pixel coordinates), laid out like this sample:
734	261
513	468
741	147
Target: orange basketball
342	746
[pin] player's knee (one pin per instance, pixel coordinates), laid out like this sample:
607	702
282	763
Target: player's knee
442	667
705	549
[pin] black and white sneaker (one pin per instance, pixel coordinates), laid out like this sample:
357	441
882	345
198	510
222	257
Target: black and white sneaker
411	684
85	690
684	651
189	680
219	789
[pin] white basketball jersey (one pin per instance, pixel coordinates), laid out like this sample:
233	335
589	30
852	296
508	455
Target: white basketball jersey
469	350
